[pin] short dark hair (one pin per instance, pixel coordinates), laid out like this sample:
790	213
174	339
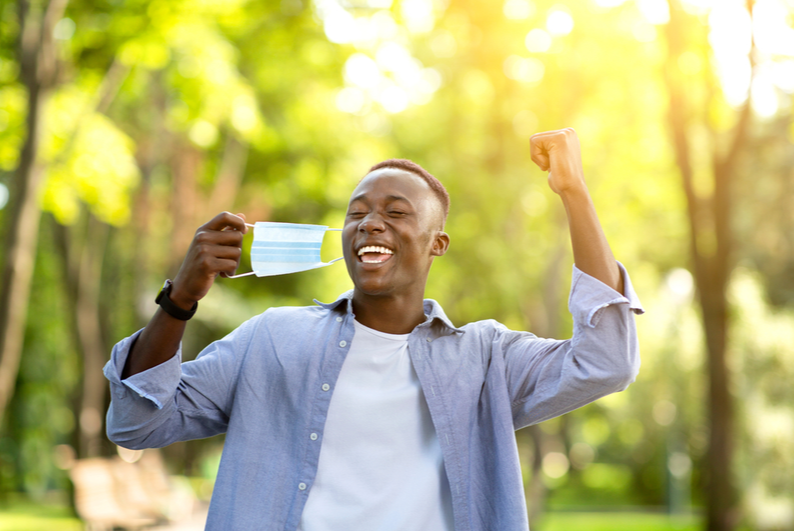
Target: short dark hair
412	167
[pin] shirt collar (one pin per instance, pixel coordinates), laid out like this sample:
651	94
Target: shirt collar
433	310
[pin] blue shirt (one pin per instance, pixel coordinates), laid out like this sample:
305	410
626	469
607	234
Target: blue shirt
268	385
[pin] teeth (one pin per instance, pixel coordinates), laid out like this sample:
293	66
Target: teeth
374	249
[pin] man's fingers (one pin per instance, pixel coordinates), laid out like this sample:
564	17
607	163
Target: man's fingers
538	153
226	220
226	267
219	237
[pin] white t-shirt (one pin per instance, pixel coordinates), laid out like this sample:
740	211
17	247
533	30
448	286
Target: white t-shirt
380	466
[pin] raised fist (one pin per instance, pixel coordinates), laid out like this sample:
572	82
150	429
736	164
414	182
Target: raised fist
558	152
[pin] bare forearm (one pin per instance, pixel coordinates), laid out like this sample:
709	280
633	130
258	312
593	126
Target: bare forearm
592	253
157	344
215	250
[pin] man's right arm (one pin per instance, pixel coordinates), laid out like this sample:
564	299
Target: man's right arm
215	250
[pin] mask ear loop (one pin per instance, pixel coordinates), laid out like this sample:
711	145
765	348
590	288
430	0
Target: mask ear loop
253	272
243	274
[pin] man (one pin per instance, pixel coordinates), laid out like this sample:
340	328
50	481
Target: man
374	412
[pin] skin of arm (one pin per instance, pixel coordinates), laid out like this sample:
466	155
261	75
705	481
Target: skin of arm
558	152
215	250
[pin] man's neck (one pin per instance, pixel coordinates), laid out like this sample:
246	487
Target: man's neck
388	314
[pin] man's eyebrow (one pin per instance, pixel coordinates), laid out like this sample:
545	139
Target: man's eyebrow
363	197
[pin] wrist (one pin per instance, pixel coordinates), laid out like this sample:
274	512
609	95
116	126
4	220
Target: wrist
172	308
181	299
575	194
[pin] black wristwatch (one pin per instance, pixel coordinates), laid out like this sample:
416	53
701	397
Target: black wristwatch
169	307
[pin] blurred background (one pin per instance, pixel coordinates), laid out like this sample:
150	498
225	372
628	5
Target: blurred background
126	124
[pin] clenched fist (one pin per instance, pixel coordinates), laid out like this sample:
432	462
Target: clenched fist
558	152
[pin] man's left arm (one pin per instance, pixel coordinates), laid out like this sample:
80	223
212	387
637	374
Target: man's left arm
558	152
545	377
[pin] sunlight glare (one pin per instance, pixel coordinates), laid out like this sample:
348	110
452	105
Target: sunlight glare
609	3
443	45
203	133
538	41
730	29
771	33
655	11
730	38
524	69
559	22
393	99
418	15
350	99
783	75
525	124
764	99
689	63
518	9
555	464
244	115
339	25
393	57
697	7
384	25
362	71
644	31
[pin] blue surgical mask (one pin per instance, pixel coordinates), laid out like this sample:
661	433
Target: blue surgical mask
282	248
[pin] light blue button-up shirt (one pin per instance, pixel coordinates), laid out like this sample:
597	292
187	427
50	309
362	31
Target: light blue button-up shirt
268	385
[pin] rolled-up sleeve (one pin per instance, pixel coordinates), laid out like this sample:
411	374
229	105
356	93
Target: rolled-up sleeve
547	378
155	385
174	401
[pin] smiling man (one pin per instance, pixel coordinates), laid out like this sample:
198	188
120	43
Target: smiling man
375	412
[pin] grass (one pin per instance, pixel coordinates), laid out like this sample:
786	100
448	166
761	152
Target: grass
32	517
27	516
623	521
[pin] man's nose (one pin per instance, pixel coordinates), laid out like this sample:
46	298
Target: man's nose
372	222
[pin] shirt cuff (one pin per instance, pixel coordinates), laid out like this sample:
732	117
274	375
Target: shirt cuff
589	296
157	384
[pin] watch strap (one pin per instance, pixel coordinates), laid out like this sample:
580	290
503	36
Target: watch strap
168	305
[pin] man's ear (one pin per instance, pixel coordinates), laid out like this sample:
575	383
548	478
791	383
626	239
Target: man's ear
440	244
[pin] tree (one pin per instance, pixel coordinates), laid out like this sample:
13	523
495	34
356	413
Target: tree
711	247
38	62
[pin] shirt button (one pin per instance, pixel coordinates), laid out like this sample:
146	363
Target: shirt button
313	436
343	343
428	339
325	387
302	486
339	319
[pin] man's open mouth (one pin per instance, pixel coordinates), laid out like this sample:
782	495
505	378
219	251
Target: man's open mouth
372	254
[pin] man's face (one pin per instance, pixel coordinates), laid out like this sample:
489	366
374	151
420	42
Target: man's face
392	231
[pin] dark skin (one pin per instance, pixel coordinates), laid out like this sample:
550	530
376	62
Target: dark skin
393	209
215	250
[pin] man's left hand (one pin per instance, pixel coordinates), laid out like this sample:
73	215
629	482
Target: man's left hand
558	152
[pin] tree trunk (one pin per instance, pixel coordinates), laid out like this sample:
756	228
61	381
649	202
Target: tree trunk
710	244
92	403
37	62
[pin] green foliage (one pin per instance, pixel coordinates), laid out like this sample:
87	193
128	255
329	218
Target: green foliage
168	111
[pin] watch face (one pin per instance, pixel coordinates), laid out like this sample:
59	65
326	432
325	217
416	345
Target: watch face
163	291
